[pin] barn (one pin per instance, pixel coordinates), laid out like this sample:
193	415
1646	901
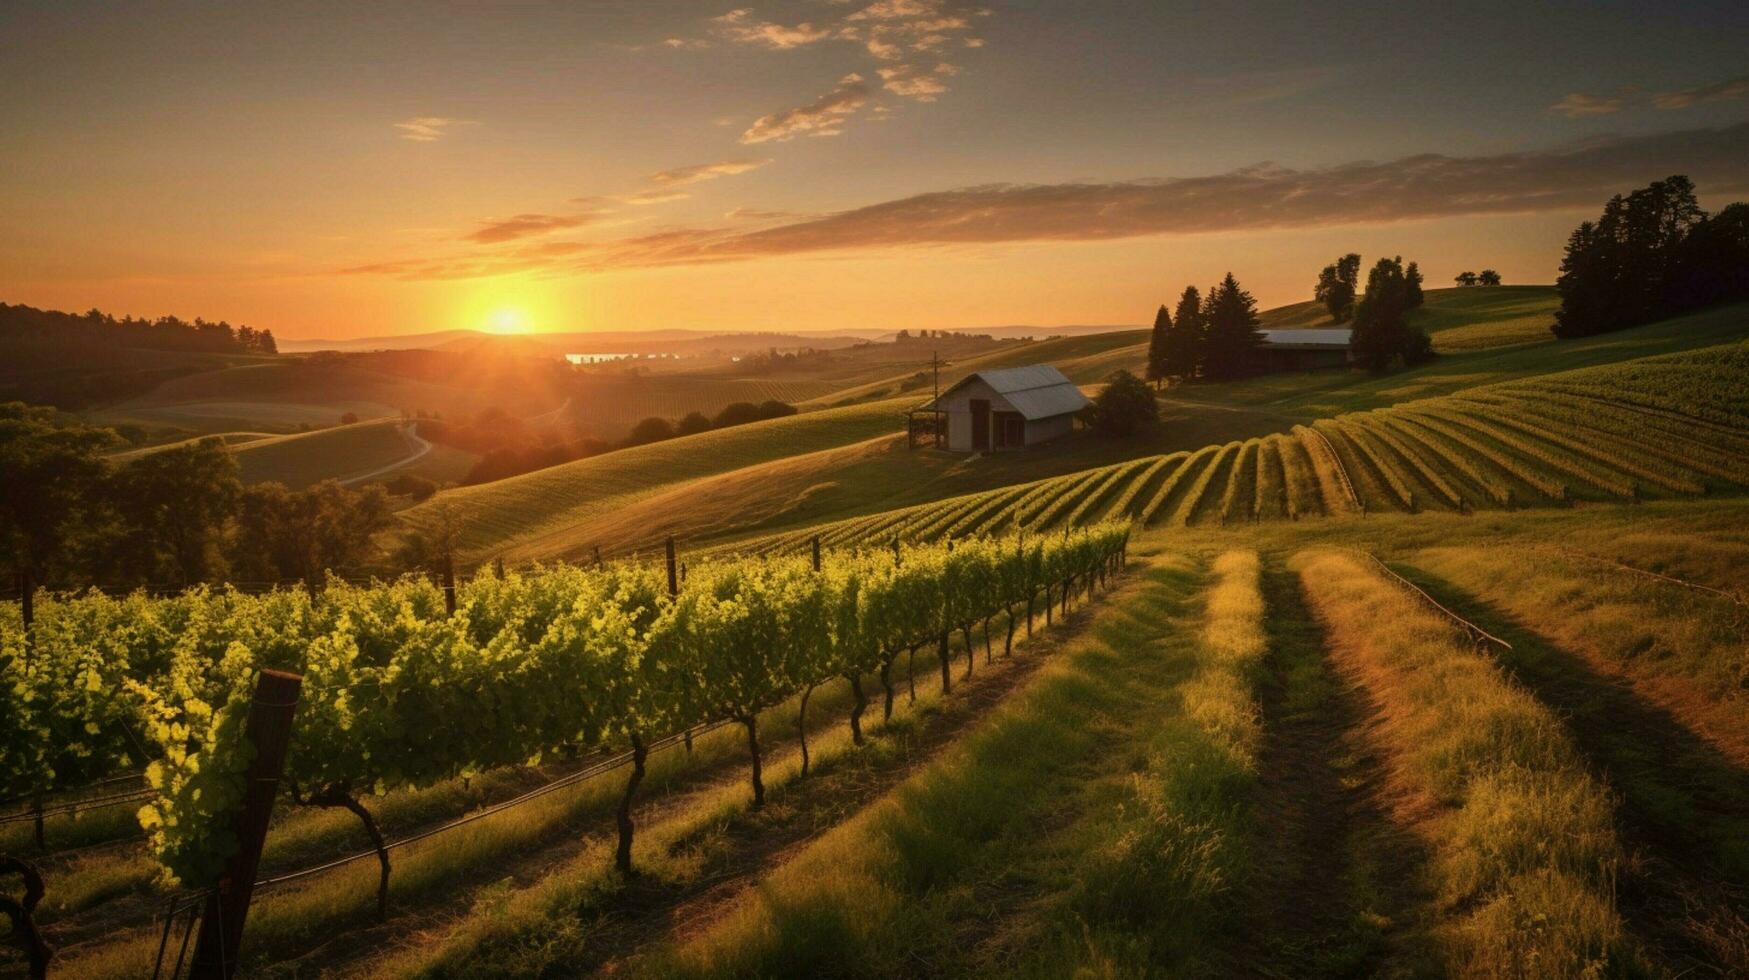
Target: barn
1305	349
1009	408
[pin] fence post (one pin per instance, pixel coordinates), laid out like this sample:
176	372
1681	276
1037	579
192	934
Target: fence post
895	549
598	556
27	608
449	583
673	581
227	906
816	552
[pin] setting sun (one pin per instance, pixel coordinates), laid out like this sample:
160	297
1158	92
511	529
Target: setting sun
507	321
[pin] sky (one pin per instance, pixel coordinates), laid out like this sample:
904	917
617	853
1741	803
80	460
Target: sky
343	170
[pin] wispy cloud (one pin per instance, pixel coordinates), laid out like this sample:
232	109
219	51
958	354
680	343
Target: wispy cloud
1426	186
654	197
740	27
698	173
428	129
1732	88
1578	105
824	116
526	226
912	82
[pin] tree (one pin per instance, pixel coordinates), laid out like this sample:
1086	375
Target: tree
1185	341
52	476
1231	337
774	409
652	429
303	534
1123	406
175	504
692	424
1412	276
1465	278
736	413
1336	286
1636	263
1159	363
1488	277
1382	333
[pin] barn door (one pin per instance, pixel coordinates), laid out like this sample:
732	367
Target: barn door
981	424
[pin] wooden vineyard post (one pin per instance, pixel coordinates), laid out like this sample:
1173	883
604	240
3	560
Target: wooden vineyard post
598	556
449	582
673	580
895	549
227	905
816	552
27	613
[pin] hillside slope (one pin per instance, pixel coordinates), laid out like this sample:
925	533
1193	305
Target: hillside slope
1468	318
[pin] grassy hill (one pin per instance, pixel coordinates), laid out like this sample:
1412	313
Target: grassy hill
835	465
360	451
1085	359
542	510
1460	319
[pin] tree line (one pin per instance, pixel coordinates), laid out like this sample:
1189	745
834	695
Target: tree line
1214	337
1651	255
1487	277
163	333
177	516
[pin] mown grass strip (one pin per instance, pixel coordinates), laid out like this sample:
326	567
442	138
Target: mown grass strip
1523	838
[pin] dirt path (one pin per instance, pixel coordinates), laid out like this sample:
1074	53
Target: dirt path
415	442
1333	887
1684	812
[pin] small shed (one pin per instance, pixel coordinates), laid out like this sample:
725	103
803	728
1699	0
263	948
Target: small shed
1010	408
1303	350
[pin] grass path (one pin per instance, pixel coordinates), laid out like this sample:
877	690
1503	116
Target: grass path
1336	887
1684	813
1092	824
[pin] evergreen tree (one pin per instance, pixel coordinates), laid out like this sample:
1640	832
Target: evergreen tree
1158	343
1412	276
1231	341
1636	264
1184	342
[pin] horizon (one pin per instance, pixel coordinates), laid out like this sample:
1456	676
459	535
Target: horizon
780	167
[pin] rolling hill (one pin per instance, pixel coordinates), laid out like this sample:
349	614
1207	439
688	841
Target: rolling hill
1458	318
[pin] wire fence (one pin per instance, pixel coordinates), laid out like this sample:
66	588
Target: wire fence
1475	632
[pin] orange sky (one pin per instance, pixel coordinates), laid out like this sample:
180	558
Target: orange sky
812	164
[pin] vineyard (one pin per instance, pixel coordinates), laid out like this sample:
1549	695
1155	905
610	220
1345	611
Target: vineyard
1673	426
402	693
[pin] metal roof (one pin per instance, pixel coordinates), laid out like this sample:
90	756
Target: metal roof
1318	339
1037	391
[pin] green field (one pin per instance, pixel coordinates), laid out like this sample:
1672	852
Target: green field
1460	319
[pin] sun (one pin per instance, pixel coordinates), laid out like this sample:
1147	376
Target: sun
507	320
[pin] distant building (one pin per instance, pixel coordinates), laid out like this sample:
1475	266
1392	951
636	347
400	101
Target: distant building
1010	408
1303	350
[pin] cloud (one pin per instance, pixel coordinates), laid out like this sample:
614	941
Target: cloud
526	226
1733	88
909	81
1262	197
686	43
655	197
824	116
739	27
428	129
681	176
1249	199
1578	105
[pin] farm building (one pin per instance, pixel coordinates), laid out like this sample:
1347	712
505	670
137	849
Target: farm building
1002	409
1302	350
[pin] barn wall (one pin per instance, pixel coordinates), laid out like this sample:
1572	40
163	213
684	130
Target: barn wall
1044	430
958	406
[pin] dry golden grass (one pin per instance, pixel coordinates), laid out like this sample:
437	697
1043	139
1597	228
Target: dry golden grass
1524	849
